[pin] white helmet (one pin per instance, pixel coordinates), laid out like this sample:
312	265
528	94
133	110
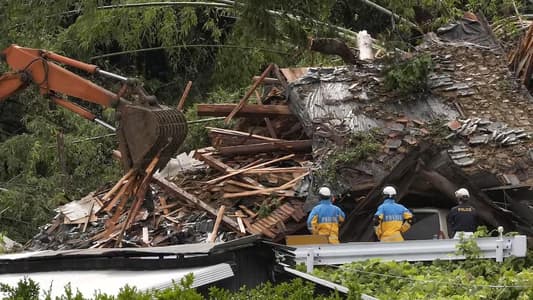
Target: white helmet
389	191
462	193
324	192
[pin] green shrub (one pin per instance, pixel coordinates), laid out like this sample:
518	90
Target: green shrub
409	77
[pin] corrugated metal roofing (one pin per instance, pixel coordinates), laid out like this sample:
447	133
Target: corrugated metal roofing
200	248
110	281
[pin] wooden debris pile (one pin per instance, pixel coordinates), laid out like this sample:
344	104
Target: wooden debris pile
251	180
521	59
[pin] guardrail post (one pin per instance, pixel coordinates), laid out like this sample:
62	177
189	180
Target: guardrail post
499	245
310	260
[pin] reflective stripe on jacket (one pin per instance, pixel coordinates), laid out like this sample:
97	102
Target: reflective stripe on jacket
324	219
392	217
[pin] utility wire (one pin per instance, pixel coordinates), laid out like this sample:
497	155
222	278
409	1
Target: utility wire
185	46
114	134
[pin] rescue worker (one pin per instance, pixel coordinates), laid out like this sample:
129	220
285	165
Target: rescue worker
463	217
325	218
391	219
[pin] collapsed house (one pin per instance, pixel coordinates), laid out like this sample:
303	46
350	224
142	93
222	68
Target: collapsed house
484	145
470	129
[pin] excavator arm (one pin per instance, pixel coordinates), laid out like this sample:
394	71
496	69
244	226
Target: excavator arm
145	129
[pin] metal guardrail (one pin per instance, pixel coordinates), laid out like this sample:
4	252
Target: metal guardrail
421	250
323	282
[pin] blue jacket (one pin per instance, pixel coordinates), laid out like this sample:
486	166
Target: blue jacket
392	217
324	219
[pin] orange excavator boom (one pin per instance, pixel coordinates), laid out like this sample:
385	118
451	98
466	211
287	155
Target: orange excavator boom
146	127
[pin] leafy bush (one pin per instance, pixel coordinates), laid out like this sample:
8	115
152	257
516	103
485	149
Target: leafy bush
297	289
358	147
469	279
409	77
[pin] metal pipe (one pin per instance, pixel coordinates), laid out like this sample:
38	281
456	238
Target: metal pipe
105	124
112	75
206	120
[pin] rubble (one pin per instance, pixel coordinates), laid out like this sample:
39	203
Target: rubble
471	129
243	184
481	131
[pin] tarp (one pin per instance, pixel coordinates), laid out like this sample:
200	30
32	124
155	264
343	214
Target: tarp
470	30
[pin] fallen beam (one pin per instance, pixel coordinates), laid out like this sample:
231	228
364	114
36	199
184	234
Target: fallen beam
222	167
285	186
250	110
284	146
267	80
244	100
218	179
225	137
184	195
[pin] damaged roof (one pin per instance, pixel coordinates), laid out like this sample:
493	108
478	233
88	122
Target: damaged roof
483	138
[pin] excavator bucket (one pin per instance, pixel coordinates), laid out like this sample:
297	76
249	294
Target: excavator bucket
145	131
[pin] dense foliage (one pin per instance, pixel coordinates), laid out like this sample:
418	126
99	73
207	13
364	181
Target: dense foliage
409	77
470	279
27	289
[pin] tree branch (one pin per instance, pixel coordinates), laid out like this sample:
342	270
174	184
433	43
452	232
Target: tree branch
333	47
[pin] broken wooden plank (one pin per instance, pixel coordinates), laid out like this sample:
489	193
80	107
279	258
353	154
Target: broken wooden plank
269	190
240	215
214	233
221	138
282	146
222	167
145	236
214	163
118	185
249	111
183	195
89	215
293	74
164	206
248	211
244	185
111	223
139	197
118	196
267	80
181	103
241	134
218	179
277	170
279	76
268	123
173	220
76	212
244	99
